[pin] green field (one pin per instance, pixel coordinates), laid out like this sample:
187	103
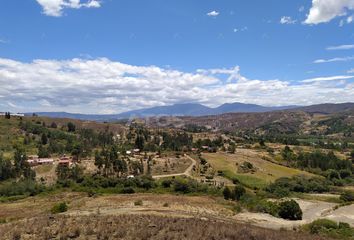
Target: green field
266	172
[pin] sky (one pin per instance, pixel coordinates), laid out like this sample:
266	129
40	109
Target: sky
111	56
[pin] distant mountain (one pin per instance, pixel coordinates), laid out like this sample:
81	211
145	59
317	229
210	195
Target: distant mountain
244	108
195	109
187	109
328	108
89	117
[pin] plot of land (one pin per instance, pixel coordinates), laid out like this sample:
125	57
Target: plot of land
265	171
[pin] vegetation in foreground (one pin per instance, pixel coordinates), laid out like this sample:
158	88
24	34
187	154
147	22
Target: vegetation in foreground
141	227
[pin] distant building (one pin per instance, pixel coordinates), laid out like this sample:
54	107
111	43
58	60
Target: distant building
13	114
45	161
34	160
65	161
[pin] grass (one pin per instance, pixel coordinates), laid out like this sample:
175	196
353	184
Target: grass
246	180
140	227
266	172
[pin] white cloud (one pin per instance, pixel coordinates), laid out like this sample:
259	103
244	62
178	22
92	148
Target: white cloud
287	20
301	9
321	79
338	59
350	19
55	8
341	47
240	29
105	86
351	70
213	13
323	11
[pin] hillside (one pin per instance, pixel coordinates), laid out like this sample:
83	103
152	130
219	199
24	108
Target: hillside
275	122
186	109
195	110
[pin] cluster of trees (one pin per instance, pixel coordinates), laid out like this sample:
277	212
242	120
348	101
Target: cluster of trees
282	187
234	193
212	144
110	163
326	164
18	169
7	115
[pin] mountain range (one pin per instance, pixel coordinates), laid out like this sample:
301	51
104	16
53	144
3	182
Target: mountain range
195	109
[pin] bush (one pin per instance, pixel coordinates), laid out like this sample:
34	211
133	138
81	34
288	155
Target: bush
320	225
166	183
347	196
265	206
128	190
23	187
59	208
331	229
138	203
290	210
239	191
283	186
227	193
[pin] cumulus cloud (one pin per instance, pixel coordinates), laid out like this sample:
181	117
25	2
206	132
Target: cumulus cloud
287	20
337	59
333	78
341	47
213	13
323	11
55	8
105	86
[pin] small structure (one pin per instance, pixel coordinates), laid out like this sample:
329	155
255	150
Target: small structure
45	161
65	161
34	160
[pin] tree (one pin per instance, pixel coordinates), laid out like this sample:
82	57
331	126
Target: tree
43	152
239	191
44	139
6	169
71	127
288	154
7	115
290	210
227	193
139	142
53	125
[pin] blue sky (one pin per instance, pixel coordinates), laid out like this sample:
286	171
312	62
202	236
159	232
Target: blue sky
210	51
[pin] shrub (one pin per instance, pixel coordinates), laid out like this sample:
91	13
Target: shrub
128	190
265	206
59	208
320	225
347	196
283	186
166	183
290	210
331	229
227	193
238	192
138	203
